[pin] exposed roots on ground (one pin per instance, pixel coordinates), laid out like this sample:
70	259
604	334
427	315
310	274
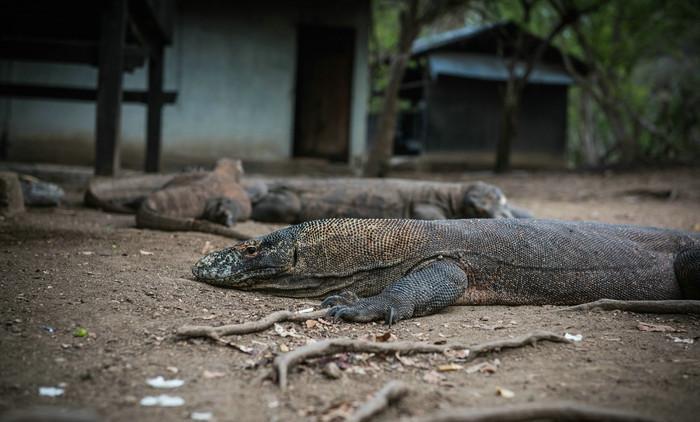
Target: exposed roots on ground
215	333
392	392
641	306
556	411
284	362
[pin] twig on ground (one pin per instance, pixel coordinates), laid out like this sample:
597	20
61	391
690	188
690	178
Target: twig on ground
390	393
557	411
285	361
215	333
640	306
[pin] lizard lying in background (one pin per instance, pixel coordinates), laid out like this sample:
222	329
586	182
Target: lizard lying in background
408	268
200	201
298	200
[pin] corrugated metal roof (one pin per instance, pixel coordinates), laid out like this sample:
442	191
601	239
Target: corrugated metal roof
490	67
432	42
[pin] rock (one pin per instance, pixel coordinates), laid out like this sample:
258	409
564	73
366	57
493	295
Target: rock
332	371
40	193
11	199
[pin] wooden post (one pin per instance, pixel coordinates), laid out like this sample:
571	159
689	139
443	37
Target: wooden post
155	106
109	86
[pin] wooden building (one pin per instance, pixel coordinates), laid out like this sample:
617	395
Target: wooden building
265	81
455	89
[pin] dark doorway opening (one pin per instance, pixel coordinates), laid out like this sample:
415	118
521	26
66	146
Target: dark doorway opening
323	92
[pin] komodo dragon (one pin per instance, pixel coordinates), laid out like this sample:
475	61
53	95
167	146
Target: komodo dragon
408	268
298	200
302	199
189	199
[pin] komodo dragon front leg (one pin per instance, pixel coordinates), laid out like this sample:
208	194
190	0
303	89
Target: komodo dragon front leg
423	291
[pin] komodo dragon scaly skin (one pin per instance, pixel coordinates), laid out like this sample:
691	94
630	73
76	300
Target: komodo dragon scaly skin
187	200
408	268
298	200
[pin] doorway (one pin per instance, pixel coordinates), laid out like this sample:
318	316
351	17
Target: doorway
323	92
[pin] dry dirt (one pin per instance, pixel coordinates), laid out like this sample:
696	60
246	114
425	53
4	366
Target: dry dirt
72	267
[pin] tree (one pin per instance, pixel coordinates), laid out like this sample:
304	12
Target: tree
642	77
522	53
413	16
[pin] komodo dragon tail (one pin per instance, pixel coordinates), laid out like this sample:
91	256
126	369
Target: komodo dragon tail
147	219
124	194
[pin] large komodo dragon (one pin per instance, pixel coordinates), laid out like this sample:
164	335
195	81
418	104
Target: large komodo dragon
298	200
407	268
200	201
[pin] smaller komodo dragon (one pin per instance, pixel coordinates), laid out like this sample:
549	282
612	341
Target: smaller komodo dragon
406	268
200	201
299	200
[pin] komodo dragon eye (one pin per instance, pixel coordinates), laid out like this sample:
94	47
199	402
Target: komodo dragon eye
250	250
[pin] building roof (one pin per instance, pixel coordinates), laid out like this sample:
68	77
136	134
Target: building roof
477	52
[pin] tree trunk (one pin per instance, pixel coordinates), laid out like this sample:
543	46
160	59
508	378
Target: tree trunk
383	142
509	127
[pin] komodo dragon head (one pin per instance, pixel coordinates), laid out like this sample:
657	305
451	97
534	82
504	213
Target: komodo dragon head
315	258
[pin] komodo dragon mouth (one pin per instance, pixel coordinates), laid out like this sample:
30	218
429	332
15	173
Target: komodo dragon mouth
242	265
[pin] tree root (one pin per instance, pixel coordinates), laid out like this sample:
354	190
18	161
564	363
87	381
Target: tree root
215	333
284	362
640	306
556	411
390	393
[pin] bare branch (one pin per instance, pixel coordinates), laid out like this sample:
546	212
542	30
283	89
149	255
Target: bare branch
215	333
286	361
640	306
390	393
557	411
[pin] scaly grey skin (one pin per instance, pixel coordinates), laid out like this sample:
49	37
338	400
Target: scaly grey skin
299	200
407	268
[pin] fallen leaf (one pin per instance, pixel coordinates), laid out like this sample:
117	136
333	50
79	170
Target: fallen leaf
505	393
657	328
212	374
386	337
311	323
172	369
284	348
449	367
142	252
433	377
484	367
283	332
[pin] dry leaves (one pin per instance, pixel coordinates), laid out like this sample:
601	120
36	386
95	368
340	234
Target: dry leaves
657	328
283	332
505	393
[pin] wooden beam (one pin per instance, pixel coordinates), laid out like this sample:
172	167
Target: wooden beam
109	86
155	106
65	51
75	93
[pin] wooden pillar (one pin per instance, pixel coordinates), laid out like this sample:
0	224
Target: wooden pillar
155	106
109	86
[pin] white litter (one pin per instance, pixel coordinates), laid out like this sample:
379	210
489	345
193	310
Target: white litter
573	337
306	310
201	416
682	340
160	382
163	401
51	391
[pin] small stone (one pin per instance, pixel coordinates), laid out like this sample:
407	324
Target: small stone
332	371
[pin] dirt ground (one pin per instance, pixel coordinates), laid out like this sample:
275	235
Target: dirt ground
71	267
